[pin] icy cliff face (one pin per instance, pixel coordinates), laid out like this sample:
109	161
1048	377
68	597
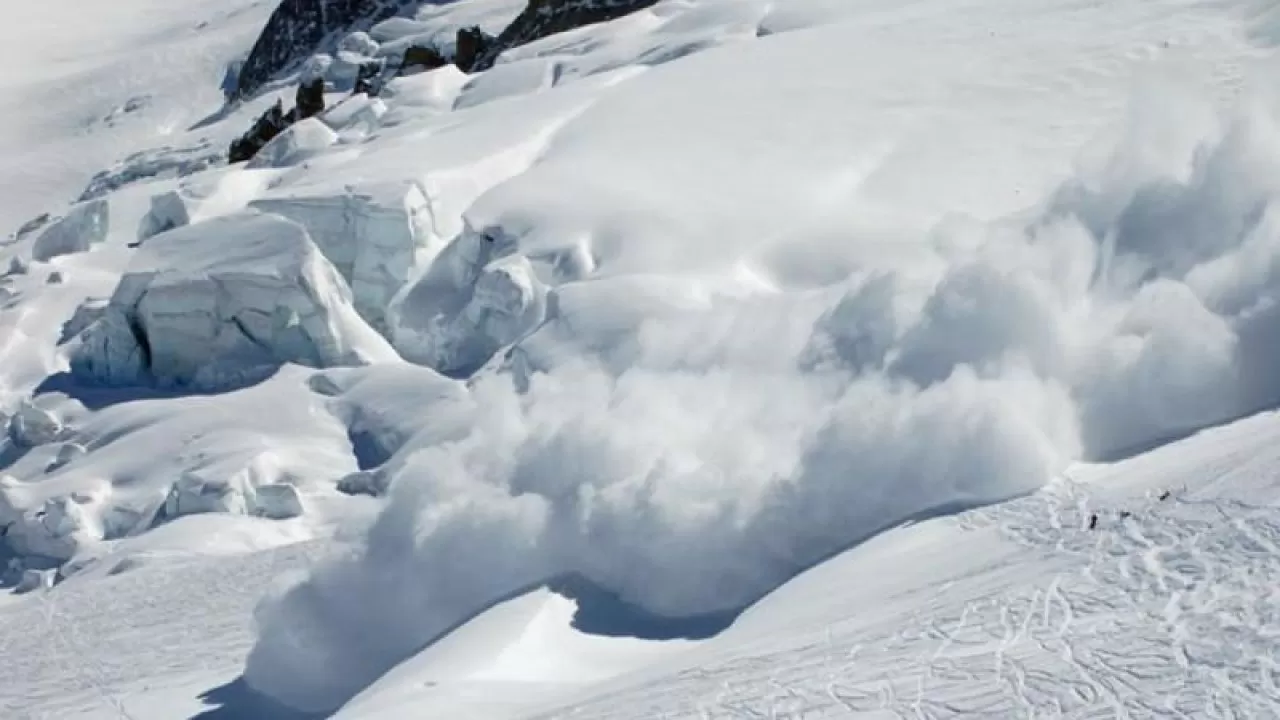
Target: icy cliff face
222	303
376	236
479	296
84	226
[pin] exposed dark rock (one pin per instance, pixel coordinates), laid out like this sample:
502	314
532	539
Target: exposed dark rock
297	28
309	100
270	124
420	57
369	78
472	42
542	18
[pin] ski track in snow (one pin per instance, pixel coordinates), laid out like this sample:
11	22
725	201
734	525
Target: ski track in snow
103	646
1172	611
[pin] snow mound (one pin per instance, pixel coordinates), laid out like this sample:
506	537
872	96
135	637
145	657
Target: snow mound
512	79
298	143
356	113
436	90
222	303
376	235
479	296
84	226
203	197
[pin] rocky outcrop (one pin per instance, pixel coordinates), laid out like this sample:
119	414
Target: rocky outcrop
297	28
470	45
309	100
542	18
369	77
270	124
419	58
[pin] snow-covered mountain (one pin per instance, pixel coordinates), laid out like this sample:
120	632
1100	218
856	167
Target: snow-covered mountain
689	358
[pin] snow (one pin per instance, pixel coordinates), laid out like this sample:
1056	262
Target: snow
220	303
84	225
376	235
810	337
296	144
478	297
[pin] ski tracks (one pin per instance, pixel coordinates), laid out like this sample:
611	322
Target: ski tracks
1166	608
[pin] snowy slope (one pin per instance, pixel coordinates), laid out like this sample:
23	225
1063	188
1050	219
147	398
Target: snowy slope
731	357
1016	610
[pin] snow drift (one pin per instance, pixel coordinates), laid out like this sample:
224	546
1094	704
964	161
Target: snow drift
223	303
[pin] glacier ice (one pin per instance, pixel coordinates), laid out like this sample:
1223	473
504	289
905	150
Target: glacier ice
84	226
193	494
222	303
479	296
33	425
278	501
377	235
202	197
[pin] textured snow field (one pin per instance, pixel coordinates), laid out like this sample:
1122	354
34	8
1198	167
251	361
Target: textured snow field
806	336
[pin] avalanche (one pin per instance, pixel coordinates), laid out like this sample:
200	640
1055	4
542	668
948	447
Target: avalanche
609	373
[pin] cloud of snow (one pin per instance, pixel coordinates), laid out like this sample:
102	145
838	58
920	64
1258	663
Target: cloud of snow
694	455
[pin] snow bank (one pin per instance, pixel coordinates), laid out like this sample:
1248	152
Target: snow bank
224	302
376	235
84	226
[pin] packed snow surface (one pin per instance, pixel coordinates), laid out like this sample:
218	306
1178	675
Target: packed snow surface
602	383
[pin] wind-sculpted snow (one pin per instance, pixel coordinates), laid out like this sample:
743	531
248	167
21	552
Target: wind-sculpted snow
222	303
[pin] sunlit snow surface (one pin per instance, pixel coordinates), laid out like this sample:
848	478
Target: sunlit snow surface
684	305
